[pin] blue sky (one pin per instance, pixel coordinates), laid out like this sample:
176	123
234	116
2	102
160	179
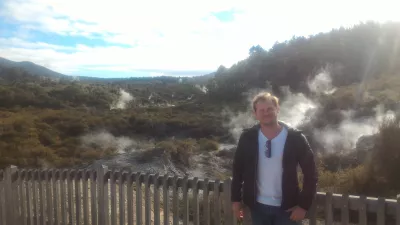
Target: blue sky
125	38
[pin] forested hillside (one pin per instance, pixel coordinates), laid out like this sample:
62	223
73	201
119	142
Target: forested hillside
339	87
352	55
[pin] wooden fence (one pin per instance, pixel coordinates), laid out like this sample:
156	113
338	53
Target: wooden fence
104	197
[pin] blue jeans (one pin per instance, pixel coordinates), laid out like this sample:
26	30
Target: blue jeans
271	215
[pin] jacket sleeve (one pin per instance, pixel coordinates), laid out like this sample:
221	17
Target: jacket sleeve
310	174
237	172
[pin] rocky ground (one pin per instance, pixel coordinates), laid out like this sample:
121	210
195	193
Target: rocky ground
216	164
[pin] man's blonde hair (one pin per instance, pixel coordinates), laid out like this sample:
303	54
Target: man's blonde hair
265	96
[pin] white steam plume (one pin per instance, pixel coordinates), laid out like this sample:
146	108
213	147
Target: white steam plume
322	83
296	109
345	135
238	121
103	140
123	100
202	88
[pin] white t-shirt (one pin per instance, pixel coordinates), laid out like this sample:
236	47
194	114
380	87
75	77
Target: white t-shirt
269	178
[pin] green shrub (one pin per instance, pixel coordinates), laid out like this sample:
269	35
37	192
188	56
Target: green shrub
180	150
208	145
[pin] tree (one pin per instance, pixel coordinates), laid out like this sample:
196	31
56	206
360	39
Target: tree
256	50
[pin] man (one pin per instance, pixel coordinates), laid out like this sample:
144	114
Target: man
265	168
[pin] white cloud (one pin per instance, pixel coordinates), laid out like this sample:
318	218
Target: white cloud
17	42
173	35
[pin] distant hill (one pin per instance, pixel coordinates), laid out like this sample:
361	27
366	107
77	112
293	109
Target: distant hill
41	71
31	68
202	80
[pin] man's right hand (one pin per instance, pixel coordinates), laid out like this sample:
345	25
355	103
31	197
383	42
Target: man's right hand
237	210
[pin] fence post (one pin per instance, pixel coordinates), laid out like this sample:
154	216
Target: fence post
398	210
102	185
11	209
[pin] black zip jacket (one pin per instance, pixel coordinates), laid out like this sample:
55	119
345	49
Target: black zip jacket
297	151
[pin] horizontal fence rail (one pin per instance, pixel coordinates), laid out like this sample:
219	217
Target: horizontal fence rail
110	197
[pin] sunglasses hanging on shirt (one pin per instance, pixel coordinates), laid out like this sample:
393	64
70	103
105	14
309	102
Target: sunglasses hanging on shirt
268	149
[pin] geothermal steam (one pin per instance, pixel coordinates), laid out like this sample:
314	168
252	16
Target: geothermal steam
103	140
322	83
345	135
297	109
123	99
202	88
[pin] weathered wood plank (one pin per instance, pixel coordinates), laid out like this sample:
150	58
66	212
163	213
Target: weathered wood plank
42	199
29	201
70	197
398	210
345	209
228	213
166	199
175	201
185	191
105	196
78	195
362	212
2	202
381	212
196	210
102	187
63	197
113	194
21	181
147	202
121	199
129	193
35	195
206	205
56	191
156	201
11	195
85	197
217	203
94	198
49	197
138	200
328	209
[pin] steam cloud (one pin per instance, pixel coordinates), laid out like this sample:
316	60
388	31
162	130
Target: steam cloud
202	88
345	135
238	122
296	109
322	83
123	100
104	140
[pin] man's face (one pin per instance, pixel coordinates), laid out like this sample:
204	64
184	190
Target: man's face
266	112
